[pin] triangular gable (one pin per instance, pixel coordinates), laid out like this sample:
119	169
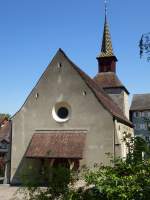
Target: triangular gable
102	97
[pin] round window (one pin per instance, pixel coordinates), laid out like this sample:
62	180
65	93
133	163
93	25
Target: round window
61	112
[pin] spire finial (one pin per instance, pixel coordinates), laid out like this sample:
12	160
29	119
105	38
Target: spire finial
105	2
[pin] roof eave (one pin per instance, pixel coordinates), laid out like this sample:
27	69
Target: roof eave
124	122
113	57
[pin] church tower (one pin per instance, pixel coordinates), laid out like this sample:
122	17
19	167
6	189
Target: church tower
106	77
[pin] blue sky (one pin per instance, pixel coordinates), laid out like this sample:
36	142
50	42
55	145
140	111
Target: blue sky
31	31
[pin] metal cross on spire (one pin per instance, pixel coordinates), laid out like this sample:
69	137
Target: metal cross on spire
105	2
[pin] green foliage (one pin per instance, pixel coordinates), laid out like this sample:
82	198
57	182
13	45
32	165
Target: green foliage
123	181
56	181
138	149
140	146
5	115
144	45
85	194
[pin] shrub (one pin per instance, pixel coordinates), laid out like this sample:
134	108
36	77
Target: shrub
123	181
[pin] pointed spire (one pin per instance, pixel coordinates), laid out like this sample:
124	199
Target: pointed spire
106	49
106	58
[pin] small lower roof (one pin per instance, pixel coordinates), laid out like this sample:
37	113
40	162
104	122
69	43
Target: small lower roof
57	144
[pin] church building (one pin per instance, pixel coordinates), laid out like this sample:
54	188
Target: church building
70	118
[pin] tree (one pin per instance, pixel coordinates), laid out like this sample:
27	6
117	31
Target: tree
141	148
3	115
144	45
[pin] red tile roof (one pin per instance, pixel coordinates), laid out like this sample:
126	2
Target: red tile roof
57	144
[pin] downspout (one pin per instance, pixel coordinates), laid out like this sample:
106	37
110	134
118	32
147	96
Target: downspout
10	152
8	158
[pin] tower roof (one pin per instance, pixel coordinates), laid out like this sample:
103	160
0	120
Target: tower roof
108	80
106	49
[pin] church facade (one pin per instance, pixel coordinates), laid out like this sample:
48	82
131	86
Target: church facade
70	118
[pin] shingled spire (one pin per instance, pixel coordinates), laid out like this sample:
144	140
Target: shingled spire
106	59
106	50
